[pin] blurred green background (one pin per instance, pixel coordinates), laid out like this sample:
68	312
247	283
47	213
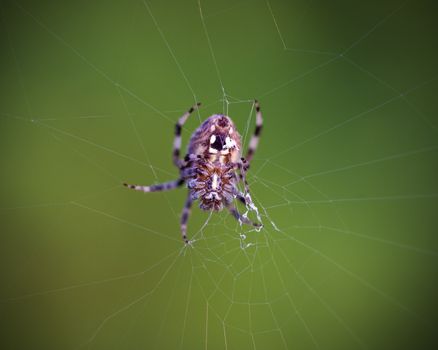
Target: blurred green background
344	178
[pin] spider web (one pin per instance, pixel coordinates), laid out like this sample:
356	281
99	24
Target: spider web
343	180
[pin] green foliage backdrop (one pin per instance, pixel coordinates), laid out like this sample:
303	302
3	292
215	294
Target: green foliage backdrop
344	178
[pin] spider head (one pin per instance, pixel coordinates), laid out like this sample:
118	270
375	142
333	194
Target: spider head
223	121
219	123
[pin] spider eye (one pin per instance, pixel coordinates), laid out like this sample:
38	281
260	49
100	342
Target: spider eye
222	122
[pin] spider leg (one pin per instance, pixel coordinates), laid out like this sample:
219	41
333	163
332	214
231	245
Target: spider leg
185	217
166	186
177	139
256	136
189	158
245	197
246	200
242	218
243	166
241	198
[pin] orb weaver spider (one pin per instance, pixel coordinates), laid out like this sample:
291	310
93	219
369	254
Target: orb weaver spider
212	167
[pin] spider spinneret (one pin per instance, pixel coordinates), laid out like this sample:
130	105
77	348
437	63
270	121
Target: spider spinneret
213	166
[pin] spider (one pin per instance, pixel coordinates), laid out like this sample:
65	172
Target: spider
212	168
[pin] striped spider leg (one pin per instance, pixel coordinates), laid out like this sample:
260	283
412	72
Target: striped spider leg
179	164
244	163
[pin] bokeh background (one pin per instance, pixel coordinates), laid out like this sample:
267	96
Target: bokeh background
344	178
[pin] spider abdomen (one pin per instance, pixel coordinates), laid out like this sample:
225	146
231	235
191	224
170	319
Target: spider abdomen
216	139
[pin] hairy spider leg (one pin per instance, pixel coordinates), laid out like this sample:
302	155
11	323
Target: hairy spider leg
241	198
247	202
243	166
185	217
246	199
244	163
241	218
166	186
256	136
177	139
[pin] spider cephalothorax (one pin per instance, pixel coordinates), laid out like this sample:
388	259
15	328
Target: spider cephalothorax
212	167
